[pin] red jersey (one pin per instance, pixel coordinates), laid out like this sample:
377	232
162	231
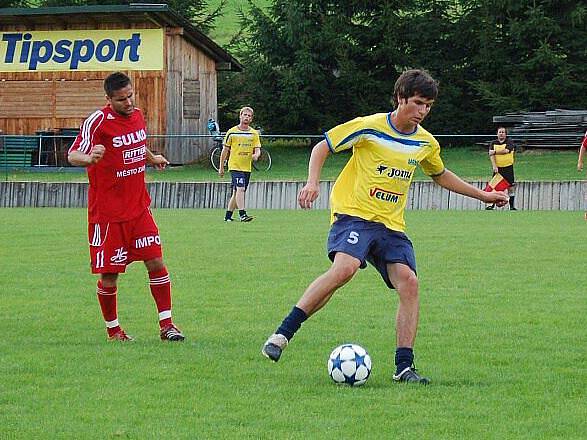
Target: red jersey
117	190
584	144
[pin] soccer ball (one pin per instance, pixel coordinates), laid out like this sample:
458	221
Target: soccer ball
349	364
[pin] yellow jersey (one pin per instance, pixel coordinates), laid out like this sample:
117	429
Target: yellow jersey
503	160
242	144
375	182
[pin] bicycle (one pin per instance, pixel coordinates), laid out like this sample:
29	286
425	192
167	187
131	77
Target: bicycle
262	164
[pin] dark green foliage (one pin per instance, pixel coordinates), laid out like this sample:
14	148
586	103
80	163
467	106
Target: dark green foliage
16	4
307	67
529	55
195	11
313	64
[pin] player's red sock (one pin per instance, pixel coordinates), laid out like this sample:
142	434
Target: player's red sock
161	291
107	300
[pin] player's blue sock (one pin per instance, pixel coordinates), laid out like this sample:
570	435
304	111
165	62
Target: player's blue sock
228	215
242	212
292	323
404	358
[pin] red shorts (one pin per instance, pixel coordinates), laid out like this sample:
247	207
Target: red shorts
115	245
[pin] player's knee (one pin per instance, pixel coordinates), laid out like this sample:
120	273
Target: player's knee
109	279
409	286
343	273
155	264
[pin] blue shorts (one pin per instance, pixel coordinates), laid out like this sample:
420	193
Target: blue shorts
372	242
239	179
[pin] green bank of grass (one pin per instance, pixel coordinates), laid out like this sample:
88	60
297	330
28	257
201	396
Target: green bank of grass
291	163
502	324
228	25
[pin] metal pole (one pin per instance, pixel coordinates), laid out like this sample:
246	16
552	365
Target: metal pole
40	148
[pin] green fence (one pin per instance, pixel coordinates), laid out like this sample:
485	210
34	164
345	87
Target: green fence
17	151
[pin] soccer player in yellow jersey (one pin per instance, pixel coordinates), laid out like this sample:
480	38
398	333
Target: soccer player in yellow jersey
367	206
501	154
242	145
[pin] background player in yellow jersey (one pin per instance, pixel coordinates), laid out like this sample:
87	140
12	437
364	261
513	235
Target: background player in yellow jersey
367	206
241	145
501	154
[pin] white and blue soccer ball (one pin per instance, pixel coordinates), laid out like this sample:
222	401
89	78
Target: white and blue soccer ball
349	364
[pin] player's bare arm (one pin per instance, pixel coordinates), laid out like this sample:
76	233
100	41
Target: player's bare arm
223	158
256	154
581	157
492	159
79	159
454	183
157	160
309	193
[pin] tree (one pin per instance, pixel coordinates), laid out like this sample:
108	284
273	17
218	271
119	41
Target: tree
312	64
529	55
16	4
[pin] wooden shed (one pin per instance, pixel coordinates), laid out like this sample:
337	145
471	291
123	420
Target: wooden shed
53	62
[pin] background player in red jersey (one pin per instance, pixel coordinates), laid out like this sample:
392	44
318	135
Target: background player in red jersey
121	229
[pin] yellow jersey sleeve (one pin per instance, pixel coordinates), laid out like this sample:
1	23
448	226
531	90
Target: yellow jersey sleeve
228	138
432	164
345	136
256	139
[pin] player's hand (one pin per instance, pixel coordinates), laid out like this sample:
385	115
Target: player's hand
579	166
159	161
308	194
221	171
97	153
495	170
500	198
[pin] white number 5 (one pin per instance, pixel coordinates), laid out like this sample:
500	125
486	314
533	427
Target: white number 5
353	237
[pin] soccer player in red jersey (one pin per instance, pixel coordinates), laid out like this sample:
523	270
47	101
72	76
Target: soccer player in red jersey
121	229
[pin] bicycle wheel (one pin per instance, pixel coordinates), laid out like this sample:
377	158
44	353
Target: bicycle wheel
215	157
264	161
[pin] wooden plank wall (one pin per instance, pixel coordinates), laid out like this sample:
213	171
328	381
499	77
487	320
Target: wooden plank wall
187	63
65	99
564	196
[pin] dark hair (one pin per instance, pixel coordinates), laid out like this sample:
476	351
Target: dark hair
415	82
115	81
500	127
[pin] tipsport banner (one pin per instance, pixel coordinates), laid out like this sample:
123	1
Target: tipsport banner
81	50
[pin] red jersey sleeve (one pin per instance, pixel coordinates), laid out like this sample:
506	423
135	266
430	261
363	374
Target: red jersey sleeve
584	144
86	137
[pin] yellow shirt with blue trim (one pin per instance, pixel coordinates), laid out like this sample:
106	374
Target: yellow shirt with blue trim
242	144
375	182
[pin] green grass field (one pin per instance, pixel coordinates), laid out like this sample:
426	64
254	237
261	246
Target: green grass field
291	163
502	332
228	25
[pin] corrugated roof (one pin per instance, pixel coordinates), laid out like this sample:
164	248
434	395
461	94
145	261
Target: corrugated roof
160	14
